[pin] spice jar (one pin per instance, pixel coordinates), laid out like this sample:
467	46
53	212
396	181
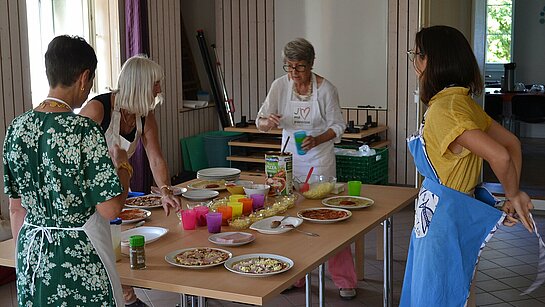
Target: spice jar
137	253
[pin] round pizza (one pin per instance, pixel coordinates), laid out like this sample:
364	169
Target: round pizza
324	214
260	265
148	201
133	214
202	257
348	202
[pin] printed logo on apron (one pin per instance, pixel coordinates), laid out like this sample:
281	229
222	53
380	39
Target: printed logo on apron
301	116
425	207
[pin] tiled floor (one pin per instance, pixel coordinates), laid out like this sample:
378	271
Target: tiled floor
507	267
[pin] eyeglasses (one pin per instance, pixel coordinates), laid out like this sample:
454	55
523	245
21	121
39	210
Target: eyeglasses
412	54
298	68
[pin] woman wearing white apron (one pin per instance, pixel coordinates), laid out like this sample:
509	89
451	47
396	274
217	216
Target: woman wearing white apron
63	190
302	100
126	115
451	225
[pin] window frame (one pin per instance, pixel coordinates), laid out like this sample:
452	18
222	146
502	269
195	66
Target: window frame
102	31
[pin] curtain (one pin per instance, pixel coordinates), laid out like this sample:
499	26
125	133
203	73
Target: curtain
137	42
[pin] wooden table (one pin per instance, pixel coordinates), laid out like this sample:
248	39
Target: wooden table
307	252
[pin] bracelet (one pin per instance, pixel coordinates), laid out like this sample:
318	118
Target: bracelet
126	166
170	192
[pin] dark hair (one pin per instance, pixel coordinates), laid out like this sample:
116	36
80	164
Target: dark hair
66	58
450	62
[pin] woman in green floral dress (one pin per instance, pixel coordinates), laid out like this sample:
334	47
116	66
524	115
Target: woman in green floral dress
63	188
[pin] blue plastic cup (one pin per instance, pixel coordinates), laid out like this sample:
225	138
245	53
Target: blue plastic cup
299	137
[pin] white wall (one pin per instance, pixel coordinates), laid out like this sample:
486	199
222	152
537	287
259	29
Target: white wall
350	40
529	41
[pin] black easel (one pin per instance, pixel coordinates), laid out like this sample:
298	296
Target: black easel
222	103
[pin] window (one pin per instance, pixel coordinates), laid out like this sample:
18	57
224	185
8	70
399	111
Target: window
499	31
95	20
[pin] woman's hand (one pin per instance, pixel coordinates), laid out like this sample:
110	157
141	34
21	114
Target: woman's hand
519	205
170	201
308	143
510	220
270	122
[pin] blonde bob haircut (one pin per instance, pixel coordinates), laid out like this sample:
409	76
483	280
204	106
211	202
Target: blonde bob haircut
135	85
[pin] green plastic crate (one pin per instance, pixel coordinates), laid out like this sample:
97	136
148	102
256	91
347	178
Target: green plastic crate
367	169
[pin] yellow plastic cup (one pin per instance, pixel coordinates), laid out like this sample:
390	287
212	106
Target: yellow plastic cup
237	208
235	197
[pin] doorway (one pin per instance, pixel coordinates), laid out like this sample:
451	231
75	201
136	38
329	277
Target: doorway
532	179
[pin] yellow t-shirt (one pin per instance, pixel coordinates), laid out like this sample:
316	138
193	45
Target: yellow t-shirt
450	113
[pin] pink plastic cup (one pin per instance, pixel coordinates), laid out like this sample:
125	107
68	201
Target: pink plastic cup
258	201
213	222
189	219
201	212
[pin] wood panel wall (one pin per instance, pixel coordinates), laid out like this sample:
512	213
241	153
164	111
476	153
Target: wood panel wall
165	29
403	23
14	72
245	40
245	44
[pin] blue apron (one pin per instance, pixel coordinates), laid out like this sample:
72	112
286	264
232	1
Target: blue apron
450	231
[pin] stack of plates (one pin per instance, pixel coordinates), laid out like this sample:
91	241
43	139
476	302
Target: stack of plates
219	173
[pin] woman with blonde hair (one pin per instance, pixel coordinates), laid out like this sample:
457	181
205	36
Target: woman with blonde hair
126	115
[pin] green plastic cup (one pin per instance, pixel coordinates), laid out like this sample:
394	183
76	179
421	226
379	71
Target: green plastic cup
354	188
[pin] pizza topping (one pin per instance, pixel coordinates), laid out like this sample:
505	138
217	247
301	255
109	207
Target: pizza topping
201	257
132	214
324	214
260	265
347	203
212	186
144	201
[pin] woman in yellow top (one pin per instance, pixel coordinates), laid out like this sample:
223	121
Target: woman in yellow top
452	224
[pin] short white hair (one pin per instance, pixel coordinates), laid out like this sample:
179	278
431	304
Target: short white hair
135	85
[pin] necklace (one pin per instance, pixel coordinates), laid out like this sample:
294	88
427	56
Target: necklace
303	97
56	103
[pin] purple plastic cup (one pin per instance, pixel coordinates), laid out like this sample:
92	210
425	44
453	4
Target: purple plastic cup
213	222
258	201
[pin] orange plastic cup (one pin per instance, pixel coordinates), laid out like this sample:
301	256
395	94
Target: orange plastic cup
247	205
226	213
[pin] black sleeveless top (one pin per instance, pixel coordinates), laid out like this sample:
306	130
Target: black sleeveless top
106	100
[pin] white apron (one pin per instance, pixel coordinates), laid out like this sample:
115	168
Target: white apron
307	116
97	229
113	137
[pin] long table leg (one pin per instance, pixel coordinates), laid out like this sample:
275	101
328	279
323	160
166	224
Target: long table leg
308	292
321	285
388	253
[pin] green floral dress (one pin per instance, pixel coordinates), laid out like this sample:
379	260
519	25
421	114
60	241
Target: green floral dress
58	165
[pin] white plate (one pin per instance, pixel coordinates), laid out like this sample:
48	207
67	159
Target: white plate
368	202
146	214
157	205
201	185
150	234
348	215
175	190
217	238
229	264
264	225
170	258
200	194
219	172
